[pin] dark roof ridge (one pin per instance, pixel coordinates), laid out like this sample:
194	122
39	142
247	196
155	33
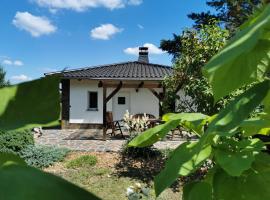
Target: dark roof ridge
106	65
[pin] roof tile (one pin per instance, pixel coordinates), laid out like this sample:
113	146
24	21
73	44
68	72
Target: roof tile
128	70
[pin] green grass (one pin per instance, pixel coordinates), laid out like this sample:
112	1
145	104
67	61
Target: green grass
30	104
105	181
108	185
82	161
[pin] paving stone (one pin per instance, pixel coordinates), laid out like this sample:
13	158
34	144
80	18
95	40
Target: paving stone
73	140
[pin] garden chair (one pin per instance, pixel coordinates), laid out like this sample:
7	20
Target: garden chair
114	125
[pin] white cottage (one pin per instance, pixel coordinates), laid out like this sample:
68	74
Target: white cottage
89	93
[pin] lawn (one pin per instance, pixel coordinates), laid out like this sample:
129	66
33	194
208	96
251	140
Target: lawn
110	176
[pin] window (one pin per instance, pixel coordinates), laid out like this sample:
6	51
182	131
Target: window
121	100
93	101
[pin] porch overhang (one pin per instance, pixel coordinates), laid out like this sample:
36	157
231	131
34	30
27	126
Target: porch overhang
117	85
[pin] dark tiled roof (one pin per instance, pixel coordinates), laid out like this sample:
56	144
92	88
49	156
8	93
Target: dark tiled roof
124	71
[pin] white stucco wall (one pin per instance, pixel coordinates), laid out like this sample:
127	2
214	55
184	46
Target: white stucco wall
186	98
139	102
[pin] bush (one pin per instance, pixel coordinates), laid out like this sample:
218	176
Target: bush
15	141
139	152
82	161
43	156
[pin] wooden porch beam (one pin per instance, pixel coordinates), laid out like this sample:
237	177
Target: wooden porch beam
155	94
139	86
145	85
114	92
104	112
100	84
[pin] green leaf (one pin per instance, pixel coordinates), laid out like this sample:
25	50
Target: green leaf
185	159
9	159
266	103
238	110
252	185
184	116
26	183
197	191
30	104
238	156
190	121
262	162
153	135
244	59
150	136
254	126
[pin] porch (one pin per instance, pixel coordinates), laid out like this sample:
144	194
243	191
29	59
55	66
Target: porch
155	87
91	140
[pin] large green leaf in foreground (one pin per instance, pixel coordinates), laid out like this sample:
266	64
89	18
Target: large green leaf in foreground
252	185
153	135
21	182
190	121
30	104
150	136
254	126
184	160
239	109
197	191
246	54
239	156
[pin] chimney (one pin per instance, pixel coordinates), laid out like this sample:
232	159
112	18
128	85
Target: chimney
143	55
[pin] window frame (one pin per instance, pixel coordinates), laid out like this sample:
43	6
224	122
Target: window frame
89	103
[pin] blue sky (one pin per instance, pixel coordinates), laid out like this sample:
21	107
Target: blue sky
39	36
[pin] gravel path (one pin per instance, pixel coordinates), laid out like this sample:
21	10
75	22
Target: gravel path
90	140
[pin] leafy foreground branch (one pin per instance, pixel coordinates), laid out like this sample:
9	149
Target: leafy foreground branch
241	168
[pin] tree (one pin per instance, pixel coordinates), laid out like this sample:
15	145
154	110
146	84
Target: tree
197	47
3	81
230	13
240	167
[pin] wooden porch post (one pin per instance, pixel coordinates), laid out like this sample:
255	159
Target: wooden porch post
104	112
65	103
159	97
105	101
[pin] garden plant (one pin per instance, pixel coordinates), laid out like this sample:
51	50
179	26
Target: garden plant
241	167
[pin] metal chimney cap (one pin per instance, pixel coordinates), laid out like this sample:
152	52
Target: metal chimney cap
143	55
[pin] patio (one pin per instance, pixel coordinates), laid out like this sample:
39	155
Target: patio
91	140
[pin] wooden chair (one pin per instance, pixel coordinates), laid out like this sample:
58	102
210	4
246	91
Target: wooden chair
114	125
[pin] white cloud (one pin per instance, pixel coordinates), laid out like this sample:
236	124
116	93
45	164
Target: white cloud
105	32
82	5
11	62
7	62
35	25
20	78
18	63
153	49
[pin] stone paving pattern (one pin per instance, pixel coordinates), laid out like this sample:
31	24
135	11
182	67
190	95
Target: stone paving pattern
91	141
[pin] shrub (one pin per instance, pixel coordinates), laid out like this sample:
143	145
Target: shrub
43	156
82	161
166	153
15	141
138	152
